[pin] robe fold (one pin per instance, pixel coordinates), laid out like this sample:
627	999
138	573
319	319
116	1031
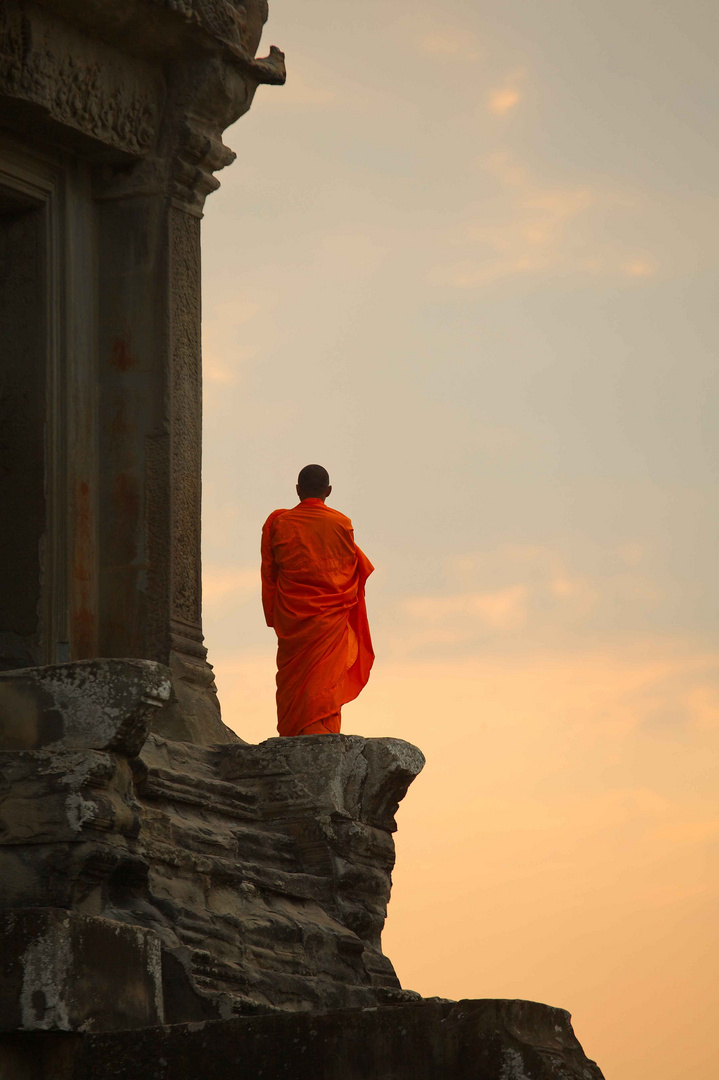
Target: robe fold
313	582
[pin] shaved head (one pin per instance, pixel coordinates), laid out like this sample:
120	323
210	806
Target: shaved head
313	482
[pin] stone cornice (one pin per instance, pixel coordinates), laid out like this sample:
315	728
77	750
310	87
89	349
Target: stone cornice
156	28
76	81
157	80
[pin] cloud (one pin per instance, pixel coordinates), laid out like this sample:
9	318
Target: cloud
502	609
703	703
639	268
232	331
517	598
528	228
222	353
447	43
594	700
512	592
216	369
501	101
502	98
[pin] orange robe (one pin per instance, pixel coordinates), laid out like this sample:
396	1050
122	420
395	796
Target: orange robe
313	579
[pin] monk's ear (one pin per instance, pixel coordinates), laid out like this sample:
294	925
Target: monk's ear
329	492
297	488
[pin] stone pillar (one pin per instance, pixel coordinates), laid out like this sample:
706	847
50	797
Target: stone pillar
129	101
150	449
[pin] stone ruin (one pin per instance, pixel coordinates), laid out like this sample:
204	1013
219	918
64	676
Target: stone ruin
174	902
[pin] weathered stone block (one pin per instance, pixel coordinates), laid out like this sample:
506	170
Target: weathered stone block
271	864
265	871
345	775
87	705
61	971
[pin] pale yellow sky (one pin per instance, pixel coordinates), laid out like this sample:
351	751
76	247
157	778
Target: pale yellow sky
467	259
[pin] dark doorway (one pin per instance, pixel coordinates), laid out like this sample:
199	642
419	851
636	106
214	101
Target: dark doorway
23	411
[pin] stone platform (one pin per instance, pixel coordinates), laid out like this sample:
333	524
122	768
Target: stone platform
261	872
430	1040
171	911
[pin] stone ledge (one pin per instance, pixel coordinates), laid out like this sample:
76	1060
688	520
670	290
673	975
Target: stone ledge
430	1040
342	775
86	705
268	868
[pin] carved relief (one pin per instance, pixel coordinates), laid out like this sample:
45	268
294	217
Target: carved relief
78	82
82	99
13	47
186	415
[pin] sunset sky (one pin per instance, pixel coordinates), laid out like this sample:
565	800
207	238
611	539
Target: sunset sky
467	259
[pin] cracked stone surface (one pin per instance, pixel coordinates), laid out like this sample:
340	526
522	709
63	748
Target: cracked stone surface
264	871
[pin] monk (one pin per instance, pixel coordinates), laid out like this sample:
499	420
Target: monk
313	581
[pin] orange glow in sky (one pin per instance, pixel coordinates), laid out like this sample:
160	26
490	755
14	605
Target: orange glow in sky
467	260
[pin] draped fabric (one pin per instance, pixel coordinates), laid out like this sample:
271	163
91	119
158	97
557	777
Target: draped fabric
313	582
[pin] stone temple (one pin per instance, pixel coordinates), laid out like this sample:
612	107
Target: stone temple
174	902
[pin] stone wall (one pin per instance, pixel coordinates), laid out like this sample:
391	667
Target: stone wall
111	124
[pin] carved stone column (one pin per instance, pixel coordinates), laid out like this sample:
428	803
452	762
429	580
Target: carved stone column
129	101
